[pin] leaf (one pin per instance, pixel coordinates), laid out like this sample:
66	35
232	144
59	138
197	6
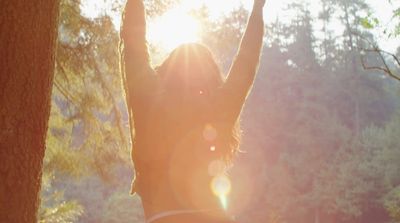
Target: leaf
396	13
366	23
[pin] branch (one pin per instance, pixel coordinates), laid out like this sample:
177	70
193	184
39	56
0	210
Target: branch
65	93
385	70
395	58
375	49
373	67
113	101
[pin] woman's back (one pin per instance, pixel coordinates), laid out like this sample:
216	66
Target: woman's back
174	145
185	119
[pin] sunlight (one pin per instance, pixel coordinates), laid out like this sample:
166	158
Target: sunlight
93	8
274	9
173	29
216	8
178	26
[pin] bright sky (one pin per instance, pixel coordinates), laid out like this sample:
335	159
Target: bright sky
178	18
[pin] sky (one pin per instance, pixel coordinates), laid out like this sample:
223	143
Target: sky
382	9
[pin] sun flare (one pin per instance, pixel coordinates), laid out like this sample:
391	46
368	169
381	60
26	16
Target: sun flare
221	187
178	26
172	29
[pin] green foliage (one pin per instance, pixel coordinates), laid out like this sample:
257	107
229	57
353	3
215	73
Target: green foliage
55	208
60	158
392	203
88	91
396	18
63	213
325	122
86	134
369	22
383	155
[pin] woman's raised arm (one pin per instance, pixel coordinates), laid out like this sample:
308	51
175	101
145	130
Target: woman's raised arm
244	67
140	79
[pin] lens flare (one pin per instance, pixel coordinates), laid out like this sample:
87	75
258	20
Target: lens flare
209	133
221	187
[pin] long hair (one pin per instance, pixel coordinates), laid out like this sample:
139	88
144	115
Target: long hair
189	71
191	74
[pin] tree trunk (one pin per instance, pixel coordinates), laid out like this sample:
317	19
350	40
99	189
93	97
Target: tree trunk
351	38
28	33
317	215
325	20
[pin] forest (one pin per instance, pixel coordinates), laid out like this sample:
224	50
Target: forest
320	129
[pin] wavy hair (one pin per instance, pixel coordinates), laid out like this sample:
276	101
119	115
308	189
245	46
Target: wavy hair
190	73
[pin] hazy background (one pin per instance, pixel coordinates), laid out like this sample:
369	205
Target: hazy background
320	128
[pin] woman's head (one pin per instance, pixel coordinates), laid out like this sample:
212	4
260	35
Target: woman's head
191	70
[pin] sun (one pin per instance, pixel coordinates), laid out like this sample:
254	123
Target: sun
173	28
178	26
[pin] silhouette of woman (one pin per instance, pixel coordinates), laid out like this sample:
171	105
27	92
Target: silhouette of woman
185	118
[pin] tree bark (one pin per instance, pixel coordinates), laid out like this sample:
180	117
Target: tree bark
28	33
317	215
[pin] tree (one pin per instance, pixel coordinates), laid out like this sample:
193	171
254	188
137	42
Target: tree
28	36
87	90
85	138
308	123
350	18
303	55
328	48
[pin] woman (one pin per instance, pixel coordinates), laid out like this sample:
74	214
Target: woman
185	120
